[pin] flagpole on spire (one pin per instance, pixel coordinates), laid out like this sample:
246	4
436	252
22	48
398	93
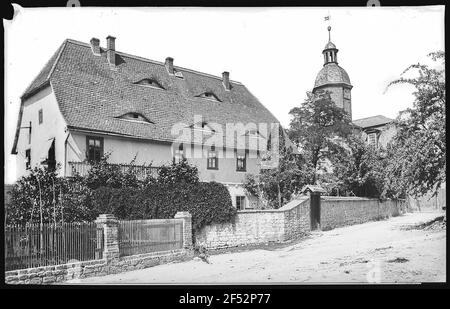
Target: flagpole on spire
327	18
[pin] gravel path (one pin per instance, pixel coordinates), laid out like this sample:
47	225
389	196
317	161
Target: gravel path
376	252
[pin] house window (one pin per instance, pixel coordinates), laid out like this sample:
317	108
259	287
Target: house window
372	139
41	116
94	147
29	134
213	160
179	154
28	159
240	202
241	159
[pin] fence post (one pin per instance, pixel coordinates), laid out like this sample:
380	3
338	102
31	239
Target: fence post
110	227
187	228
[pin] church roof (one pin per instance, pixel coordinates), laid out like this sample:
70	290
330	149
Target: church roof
372	121
331	73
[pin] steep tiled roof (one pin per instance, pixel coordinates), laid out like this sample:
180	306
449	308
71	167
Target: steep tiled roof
331	73
91	95
372	121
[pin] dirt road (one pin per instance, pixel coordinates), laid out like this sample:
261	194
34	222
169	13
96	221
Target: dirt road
376	252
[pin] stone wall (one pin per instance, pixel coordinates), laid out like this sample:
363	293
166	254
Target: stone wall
251	227
79	270
341	211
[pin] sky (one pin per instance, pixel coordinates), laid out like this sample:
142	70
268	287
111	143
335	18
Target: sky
275	52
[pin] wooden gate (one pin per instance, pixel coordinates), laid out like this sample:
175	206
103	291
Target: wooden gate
315	211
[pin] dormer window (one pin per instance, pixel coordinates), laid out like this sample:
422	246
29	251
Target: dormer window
203	126
253	134
149	82
178	74
135	117
209	95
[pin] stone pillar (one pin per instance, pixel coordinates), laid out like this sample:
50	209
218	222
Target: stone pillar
110	227
187	228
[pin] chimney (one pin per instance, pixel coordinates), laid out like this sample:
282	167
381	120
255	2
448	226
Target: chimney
111	50
226	80
169	65
95	45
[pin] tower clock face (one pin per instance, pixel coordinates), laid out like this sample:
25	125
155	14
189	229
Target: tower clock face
346	93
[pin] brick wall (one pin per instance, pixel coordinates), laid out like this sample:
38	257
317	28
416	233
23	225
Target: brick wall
258	226
341	211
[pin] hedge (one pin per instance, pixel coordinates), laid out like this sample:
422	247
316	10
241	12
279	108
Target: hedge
207	202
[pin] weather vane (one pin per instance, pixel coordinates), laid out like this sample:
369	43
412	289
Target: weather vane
327	18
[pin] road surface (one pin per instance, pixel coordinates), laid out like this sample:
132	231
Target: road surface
374	252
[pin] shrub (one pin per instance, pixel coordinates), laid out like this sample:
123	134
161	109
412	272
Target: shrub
207	202
102	173
178	172
57	199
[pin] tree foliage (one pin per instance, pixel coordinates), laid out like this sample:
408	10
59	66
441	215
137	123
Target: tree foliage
418	157
41	196
359	169
277	185
178	172
318	127
207	202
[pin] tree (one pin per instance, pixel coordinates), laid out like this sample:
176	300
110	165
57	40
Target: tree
318	127
277	185
42	197
418	155
360	168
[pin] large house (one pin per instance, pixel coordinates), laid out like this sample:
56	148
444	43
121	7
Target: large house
89	101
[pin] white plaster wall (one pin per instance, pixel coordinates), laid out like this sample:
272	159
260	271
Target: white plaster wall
53	126
123	150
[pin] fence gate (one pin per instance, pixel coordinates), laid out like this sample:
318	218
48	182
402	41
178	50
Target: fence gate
315	211
145	236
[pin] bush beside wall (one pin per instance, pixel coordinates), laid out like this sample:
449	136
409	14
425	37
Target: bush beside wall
208	203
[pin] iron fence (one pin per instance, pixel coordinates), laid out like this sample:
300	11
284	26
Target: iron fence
35	245
141	171
145	236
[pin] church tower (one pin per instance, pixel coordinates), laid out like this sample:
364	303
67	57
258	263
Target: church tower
333	78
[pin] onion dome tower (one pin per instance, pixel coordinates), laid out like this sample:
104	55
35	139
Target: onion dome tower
333	78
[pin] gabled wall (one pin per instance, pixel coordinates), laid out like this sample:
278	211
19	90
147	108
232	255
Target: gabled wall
53	126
